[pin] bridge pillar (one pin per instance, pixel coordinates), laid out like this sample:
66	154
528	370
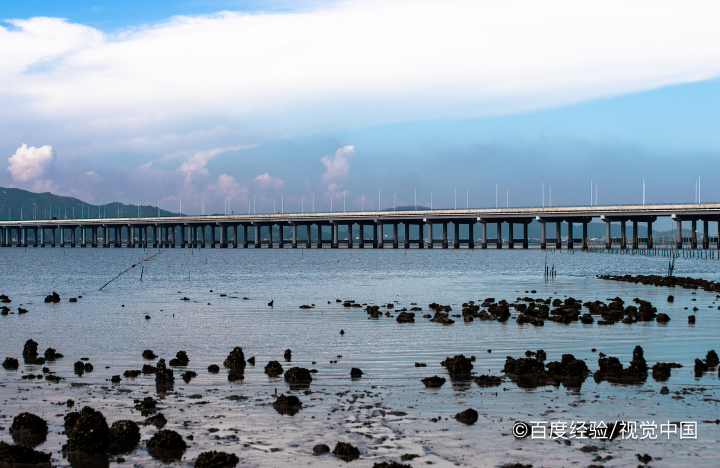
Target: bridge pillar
294	236
706	235
558	235
308	242
483	239
444	235
421	235
35	237
173	237
585	243
319	236
543	243
608	238
380	238
72	236
223	237
213	239
635	242
2	237
471	235
270	236
430	235
499	234
245	236
200	236
693	235
525	236
649	242
570	243
42	237
511	233
623	235
183	239
82	236
407	235
256	238
456	240
334	242
350	236
131	236
395	235
361	241
281	237
22	240
235	236
106	237
678	240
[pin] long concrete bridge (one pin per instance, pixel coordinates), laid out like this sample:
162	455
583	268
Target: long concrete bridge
432	228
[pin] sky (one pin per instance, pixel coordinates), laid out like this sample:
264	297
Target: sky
279	105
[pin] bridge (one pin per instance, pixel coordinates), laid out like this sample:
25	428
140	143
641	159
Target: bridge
431	228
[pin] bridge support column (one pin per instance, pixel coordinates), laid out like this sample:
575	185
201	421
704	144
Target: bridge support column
395	235
294	236
407	236
223	237
42	237
570	243
649	243
350	236
623	235
256	238
235	236
430	235
173	237
608	238
693	235
281	237
558	235
308	241
483	240
183	239
22	238
35	237
456	240
213	239
706	235
334	241
471	235
543	243
511	233
499	234
444	235
585	241
106	237
201	240
245	236
525	236
678	240
421	235
72	236
634	240
380	238
319	236
131	236
82	236
361	241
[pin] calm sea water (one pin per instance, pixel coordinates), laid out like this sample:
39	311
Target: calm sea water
110	328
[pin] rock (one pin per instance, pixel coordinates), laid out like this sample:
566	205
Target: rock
213	368
612	370
691	319
115	379
181	359
342	332
166	446
158	421
236	374
420	364
664	391
17	454
321	449
88	367
271	303
662	318
148	369
187	376
391	464
700	367
442	318
236	359
458	367
661	370
10	363
251	361
288	355
30	355
569	371
355	373
29	430
273	369
89	432
644	459
146	406
79	368
163	375
22	311
52	355
52	298
712	358
124	436
216	460
148	354
433	382
405	317
346	452
73	299
469	416
298	375
488	381
289	405
671	298
132	373
586	319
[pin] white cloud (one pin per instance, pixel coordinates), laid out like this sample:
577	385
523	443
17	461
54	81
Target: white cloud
236	77
266	181
29	164
339	165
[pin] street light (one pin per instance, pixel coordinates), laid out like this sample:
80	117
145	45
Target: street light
379	199
496	203
591	186
394	198
543	196
430	199
699	188
643	192
181	207
456	198
416	199
507	198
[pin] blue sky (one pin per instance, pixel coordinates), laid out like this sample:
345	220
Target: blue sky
233	101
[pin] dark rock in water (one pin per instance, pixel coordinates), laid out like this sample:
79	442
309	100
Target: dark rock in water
4	310
661	370
288	355
391	464
540	355
433	382
488	380
158	420
251	361
79	367
236	359
115	379
700	367
17	454
346	452
289	405
420	364
712	358
271	303
132	373
29	430
53	298
30	354
298	375
469	416
664	391
22	311
52	355
644	459
526	372
321	449
124	436
88	367
405	317
213	368
181	359
216	460
586	319
89	432
73	299
612	370
187	376
671	298
11	363
148	369
148	354
458	366
166	446
342	332
146	406
273	369
662	318
442	318
236	374
569	371
355	373
163	375
691	319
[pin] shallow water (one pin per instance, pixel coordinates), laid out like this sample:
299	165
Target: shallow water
110	328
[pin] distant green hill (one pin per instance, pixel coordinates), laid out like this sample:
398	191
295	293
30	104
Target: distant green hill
15	203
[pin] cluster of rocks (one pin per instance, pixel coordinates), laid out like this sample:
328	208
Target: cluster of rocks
181	359
53	298
711	361
530	372
611	369
670	281
287	405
